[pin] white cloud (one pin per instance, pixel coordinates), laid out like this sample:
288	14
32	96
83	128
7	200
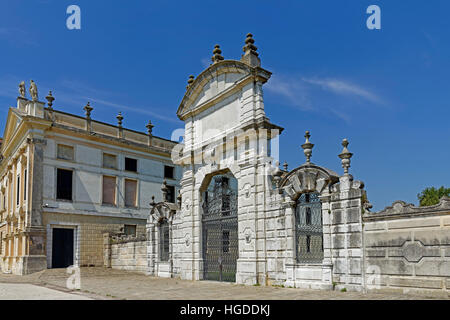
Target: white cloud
344	88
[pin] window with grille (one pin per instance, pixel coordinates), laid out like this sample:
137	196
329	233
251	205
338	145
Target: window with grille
164	238
129	229
308	228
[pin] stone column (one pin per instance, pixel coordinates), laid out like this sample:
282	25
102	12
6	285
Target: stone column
35	260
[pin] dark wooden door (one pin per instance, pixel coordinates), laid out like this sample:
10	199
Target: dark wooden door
62	249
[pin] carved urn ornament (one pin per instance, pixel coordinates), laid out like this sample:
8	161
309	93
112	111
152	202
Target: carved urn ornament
50	100
345	155
307	147
88	109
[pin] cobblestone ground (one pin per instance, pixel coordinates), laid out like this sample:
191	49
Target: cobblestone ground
102	283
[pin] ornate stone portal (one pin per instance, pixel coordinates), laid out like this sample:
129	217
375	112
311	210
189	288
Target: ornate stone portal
227	133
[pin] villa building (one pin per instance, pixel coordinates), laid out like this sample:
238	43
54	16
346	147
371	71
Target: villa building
66	179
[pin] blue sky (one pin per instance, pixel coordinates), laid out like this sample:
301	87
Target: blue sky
387	91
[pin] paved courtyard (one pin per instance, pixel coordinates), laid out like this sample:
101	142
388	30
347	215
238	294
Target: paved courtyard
102	283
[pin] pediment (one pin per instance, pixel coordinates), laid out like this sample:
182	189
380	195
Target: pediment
12	123
216	83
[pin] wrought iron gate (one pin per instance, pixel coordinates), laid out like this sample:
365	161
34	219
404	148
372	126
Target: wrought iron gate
308	227
220	230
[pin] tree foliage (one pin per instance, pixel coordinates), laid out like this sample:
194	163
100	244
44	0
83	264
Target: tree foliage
431	196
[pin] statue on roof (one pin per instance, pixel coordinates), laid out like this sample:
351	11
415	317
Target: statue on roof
33	91
22	89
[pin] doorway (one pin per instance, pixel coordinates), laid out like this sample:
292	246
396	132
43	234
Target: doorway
62	247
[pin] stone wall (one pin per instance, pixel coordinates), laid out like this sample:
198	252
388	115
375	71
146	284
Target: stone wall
407	248
125	252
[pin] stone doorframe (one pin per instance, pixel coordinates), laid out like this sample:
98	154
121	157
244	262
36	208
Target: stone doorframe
76	240
305	179
160	211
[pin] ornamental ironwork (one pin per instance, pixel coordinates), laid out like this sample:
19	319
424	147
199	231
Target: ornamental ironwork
164	240
220	229
308	228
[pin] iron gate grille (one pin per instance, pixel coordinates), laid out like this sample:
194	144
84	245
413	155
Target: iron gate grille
164	238
220	231
308	228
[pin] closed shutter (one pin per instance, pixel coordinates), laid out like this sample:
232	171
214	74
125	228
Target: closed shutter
130	193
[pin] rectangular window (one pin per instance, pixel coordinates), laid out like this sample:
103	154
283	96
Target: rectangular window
130	192
65	152
18	191
25	185
130	164
129	229
169	172
64	184
109	161
171	194
109	190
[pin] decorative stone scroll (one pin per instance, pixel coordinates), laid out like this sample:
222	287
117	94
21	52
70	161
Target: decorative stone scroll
307	178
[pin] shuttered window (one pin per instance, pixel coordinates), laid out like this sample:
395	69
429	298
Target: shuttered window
130	192
109	190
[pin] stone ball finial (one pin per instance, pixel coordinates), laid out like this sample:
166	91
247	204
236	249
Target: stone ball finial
88	109
217	57
190	81
345	156
50	100
307	147
249	45
119	119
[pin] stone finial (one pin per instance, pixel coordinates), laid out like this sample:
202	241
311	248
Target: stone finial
217	54
22	90
285	166
164	190
345	155
88	110
50	100
307	147
179	198
153	203
149	127
190	81
250	55
33	91
119	119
